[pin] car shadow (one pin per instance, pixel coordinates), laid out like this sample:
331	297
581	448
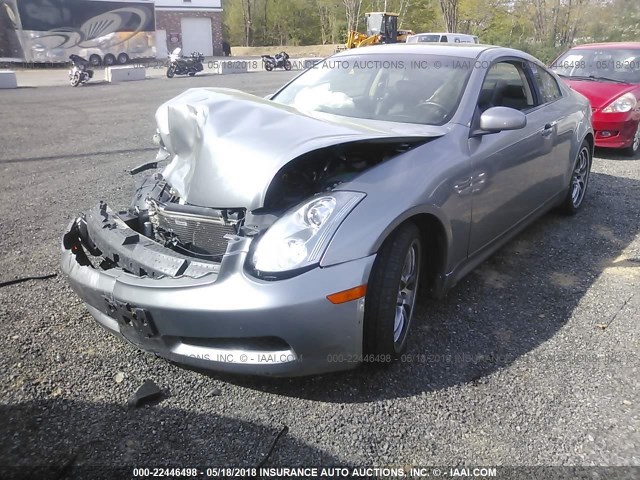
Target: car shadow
613	154
96	83
64	438
511	304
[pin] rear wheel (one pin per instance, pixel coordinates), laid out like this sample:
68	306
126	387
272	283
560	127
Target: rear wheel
391	294
579	180
634	148
123	58
75	79
95	60
268	67
191	74
109	59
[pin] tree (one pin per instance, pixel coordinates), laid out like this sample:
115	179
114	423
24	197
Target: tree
352	11
541	27
329	12
450	14
248	27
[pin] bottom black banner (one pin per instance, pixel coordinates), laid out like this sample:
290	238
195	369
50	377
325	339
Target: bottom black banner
72	472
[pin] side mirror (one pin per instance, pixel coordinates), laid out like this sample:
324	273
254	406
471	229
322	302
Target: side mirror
497	119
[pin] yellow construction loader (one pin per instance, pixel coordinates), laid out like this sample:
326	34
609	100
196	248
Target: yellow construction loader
382	27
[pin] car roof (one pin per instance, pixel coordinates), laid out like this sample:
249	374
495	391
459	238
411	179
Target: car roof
465	50
608	46
445	33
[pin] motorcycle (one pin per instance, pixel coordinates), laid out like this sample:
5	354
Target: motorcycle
281	60
179	65
79	74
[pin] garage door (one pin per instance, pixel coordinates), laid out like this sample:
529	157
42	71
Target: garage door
196	36
161	44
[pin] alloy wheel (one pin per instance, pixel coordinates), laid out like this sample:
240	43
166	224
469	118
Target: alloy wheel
636	139
406	294
580	177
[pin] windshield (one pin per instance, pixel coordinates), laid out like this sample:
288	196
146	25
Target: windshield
423	89
616	65
374	24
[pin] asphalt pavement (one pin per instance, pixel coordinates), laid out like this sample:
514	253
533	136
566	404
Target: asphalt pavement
531	360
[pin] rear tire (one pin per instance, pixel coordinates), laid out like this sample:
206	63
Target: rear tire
191	74
391	294
109	60
579	181
95	60
123	58
268	67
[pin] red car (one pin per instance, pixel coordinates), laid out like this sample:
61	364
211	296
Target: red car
608	74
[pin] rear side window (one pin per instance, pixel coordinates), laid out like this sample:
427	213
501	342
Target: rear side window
549	89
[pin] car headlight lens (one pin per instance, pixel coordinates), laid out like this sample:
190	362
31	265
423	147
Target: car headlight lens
300	237
625	103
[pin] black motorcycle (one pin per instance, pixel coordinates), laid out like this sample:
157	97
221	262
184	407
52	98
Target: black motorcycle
179	65
281	60
79	74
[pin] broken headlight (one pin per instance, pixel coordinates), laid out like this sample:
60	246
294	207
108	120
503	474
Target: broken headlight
300	237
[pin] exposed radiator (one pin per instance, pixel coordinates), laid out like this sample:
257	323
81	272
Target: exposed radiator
198	227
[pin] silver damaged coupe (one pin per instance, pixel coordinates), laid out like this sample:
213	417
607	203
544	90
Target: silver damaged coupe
290	235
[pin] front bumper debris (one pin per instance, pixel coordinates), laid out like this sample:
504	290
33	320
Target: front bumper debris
101	230
213	316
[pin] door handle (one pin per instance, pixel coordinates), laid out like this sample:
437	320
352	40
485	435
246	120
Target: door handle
548	129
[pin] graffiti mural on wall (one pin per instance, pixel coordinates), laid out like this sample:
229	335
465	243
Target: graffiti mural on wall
57	28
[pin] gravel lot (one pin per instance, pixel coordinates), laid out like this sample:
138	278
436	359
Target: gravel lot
531	360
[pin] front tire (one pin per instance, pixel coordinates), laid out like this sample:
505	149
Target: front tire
287	65
75	80
171	71
634	148
579	180
391	293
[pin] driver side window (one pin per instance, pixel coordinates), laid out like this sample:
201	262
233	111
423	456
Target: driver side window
506	85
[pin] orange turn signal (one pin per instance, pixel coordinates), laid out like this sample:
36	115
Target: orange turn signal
348	295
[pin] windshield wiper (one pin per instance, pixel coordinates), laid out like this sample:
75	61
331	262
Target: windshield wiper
607	79
592	78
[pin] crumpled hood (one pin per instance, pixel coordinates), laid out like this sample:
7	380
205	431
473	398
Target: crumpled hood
228	145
